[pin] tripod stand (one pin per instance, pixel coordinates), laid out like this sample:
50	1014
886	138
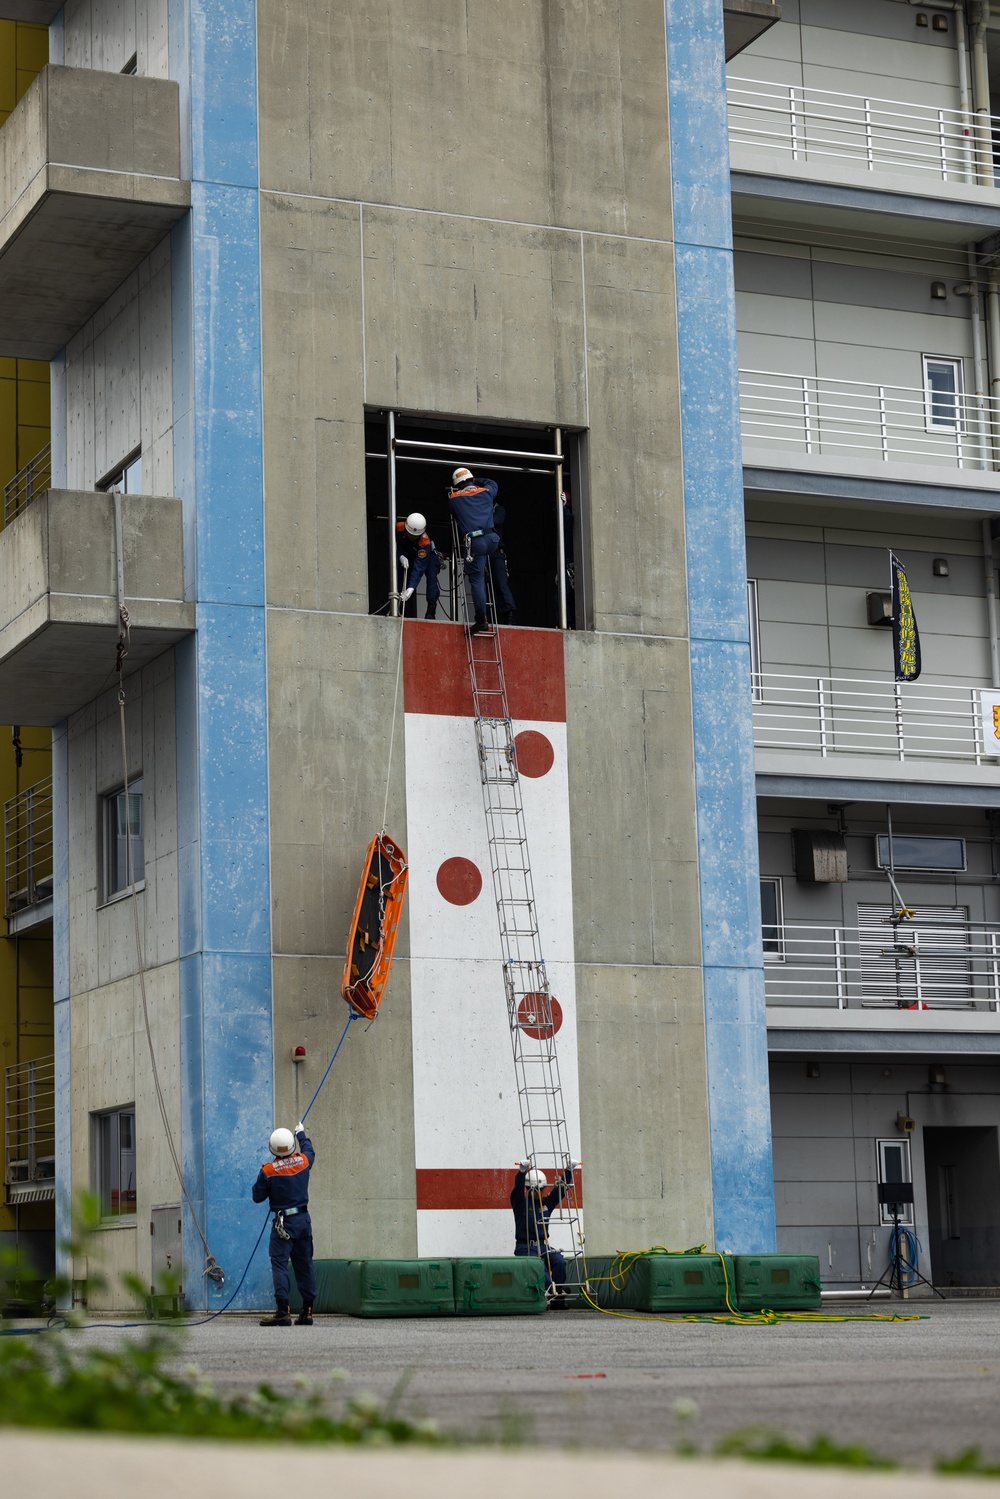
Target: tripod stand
894	1195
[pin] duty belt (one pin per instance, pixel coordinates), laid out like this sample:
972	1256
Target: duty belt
290	1212
470	534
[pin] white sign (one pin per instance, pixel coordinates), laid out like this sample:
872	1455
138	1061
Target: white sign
989	713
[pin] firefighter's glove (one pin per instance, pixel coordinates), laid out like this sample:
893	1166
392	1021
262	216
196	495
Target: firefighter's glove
407	594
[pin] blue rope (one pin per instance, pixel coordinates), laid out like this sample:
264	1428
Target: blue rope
351	1015
909	1253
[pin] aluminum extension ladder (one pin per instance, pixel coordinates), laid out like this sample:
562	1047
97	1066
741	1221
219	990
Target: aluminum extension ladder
529	1000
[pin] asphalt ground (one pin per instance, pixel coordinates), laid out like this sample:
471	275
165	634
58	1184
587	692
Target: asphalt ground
910	1390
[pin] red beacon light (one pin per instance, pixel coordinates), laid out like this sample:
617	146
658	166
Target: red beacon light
298	1053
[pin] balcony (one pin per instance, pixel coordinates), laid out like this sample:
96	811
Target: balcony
59	612
940	963
27	847
805	717
29	1132
743	20
861	427
30	481
89	184
786	123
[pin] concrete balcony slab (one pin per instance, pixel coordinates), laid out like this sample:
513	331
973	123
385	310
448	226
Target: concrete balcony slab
744	21
37	12
89	183
59	598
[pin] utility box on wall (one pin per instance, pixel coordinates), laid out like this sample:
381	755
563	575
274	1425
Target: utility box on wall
820	857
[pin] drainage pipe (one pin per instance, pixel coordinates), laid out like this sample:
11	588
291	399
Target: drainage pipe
981	92
989	571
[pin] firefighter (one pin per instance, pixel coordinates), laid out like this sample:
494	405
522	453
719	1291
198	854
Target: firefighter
502	596
422	558
532	1207
284	1183
471	502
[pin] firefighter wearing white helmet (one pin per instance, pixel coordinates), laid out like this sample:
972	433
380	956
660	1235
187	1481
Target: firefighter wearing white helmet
533	1203
471	503
284	1184
418	558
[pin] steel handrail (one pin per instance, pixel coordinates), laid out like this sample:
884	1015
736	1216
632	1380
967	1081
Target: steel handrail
27	484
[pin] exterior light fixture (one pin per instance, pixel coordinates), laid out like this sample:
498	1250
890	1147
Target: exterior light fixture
939	23
922	18
939	291
936	1076
298	1053
940	568
812	1069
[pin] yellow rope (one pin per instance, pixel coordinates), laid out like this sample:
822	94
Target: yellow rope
624	1260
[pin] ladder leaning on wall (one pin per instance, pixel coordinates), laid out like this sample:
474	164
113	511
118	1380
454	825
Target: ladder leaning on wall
529	1000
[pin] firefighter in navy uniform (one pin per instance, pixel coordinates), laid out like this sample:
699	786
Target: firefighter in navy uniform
533	1207
471	503
284	1184
422	558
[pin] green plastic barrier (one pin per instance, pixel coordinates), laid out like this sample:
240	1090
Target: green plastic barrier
777	1282
499	1287
384	1288
681	1283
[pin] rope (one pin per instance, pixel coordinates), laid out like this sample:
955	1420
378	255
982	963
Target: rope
732	1317
351	1015
392	726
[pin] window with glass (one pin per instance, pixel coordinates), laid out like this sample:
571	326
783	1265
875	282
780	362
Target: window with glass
126	477
942	394
894	1166
114	1162
124	838
771	923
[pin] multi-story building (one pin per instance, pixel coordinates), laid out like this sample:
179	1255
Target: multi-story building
867	226
268	250
27	1204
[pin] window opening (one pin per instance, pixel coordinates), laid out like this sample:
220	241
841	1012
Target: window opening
942	394
894	1166
753	610
122	824
131	68
772	921
912	851
409	463
127	477
114	1163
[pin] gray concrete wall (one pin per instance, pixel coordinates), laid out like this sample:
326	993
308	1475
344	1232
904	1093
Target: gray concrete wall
118	383
465	212
825	1129
110	1055
105	34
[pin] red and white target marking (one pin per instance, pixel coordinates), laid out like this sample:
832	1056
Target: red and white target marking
466	1120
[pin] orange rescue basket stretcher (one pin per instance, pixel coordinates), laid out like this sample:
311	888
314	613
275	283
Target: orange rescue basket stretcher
373	929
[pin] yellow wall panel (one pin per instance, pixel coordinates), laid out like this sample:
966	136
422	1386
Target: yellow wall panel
30	440
32	403
32	369
32	48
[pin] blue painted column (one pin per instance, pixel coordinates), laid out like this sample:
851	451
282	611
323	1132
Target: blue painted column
226	1018
736	1034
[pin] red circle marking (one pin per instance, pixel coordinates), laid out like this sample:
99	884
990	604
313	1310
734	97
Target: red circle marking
532	1016
534	753
459	881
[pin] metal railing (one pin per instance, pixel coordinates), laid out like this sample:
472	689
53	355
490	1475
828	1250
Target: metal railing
27	840
31	481
810	414
910	965
881	135
29	1130
826	715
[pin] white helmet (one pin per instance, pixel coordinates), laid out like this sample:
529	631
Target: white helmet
416	524
461	475
535	1180
282	1142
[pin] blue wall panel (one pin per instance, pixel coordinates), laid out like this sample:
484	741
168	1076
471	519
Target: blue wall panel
226	1016
736	1036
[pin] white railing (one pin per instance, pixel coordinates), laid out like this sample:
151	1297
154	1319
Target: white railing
786	121
910	965
810	414
827	715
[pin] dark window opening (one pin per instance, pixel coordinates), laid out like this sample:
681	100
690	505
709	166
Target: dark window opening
527	492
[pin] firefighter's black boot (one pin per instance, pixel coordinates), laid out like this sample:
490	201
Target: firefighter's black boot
305	1317
480	624
432	610
281	1318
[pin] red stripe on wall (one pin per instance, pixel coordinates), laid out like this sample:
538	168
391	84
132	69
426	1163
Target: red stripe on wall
487	1187
436	672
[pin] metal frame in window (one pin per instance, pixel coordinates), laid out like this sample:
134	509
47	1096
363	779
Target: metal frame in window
937	416
114	880
113	1157
126	476
773	932
753	611
894	1165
